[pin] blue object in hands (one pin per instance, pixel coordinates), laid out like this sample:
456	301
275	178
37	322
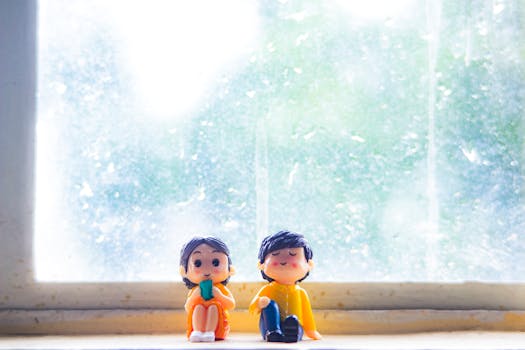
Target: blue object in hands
206	289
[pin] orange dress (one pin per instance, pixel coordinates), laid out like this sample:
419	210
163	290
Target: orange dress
223	324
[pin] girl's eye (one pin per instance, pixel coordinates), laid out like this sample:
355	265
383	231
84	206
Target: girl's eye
197	263
276	253
292	253
215	262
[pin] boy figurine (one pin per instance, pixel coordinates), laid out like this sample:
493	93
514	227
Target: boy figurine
285	259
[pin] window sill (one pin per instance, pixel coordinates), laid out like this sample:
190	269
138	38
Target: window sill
166	321
340	308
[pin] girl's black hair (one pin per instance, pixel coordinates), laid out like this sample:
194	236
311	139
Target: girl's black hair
189	247
281	240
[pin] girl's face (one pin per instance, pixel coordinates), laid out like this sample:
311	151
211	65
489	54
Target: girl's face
207	263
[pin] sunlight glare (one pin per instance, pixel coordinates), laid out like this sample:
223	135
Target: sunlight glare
176	49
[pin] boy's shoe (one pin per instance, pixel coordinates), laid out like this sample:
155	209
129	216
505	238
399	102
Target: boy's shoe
290	328
274	336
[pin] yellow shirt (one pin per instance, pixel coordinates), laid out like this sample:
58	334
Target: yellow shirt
292	300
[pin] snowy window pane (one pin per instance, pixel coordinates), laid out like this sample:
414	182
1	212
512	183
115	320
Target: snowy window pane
390	133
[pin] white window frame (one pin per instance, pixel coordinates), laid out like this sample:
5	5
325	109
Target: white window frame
160	305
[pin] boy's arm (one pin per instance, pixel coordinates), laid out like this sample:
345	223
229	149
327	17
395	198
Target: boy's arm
260	301
308	317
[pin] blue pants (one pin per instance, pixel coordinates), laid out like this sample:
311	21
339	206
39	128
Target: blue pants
271	320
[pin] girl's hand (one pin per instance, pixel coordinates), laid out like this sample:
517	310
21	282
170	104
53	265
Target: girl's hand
217	292
192	298
227	301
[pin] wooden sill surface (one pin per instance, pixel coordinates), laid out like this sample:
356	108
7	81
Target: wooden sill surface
427	341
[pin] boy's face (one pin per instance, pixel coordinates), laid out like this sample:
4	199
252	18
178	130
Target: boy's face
207	263
287	265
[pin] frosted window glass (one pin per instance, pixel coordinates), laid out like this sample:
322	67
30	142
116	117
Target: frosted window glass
390	133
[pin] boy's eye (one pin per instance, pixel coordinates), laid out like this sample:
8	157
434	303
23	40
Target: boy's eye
276	253
292	253
197	263
215	262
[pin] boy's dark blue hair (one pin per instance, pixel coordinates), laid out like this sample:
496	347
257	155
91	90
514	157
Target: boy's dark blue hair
189	247
281	240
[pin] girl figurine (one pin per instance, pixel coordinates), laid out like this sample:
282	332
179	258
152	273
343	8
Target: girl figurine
205	266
